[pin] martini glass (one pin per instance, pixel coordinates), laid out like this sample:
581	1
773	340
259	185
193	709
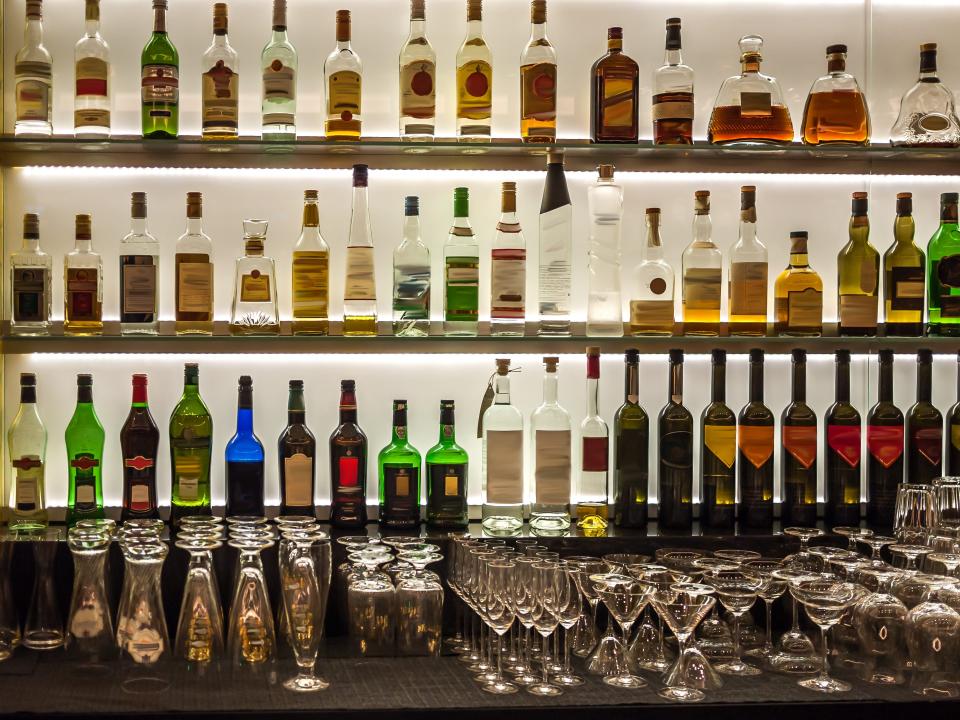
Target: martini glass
625	601
715	640
682	612
771	590
737	590
804	535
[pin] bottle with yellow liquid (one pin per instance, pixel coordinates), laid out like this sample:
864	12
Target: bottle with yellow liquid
474	79
83	284
342	72
311	273
360	290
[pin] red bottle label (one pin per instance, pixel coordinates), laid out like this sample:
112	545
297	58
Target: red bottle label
349	471
929	443
595	454
801	442
844	440
885	443
138	463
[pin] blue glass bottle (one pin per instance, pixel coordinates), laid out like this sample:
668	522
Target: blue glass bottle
244	459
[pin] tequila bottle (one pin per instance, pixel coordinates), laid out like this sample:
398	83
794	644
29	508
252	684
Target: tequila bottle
508	269
748	272
91	102
83	284
190	435
31	271
447	474
33	78
702	273
538	81
592	494
84	438
194	273
614	91
27	447
159	80
474	79
904	275
556	250
278	67
220	82
360	291
399	466
550	447
836	111
651	302
858	275
297	453
139	271
418	72
342	75
604	307
411	276
503	466
255	286
673	94
311	273
943	270
798	293
928	115
461	262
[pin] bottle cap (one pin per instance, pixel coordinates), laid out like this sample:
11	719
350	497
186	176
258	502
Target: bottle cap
246	381
928	48
605	172
843	356
159	4
799	355
885	356
503	366
474	10
652	211
446	403
859	203
756	355
279	14
31	226
593	351
418	10
676	356
139	380
924	355
360	173
34	8
631	355
296	384
904	203
28	380
84	380
138	205
311	194
194	205
836	49
538	11
798	235
554	157
348	385
461	193
411	205
551	363
950	198
615	33
343	26
719	357
701	202
83	227
219	18
673	22
399	404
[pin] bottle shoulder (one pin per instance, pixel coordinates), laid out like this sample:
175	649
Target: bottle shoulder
842	413
755	413
798	413
718	413
160	50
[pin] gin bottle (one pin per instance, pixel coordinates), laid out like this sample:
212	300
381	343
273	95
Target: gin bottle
604	309
673	94
508	269
411	277
502	459
139	267
311	273
27	446
927	116
342	72
748	272
593	497
360	290
83	284
418	71
33	78
702	272
31	270
91	102
254	309
278	66
550	447
651	303
556	250
220	82
461	262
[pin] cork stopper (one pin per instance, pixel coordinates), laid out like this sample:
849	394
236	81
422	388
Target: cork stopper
35	9
928	57
653	227
343	26
474	10
360	175
615	33
798	242
673	34
859	204
92	10
508	197
31	226
538	12
418	10
159	4
550	363
194	205
554	157
138	205
279	14
701	202
311	195
503	366
220	19
748	203
605	172
593	351
83	227
904	204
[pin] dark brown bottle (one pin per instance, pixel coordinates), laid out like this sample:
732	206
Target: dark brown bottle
139	440
675	445
924	428
348	464
718	453
885	449
953	431
297	452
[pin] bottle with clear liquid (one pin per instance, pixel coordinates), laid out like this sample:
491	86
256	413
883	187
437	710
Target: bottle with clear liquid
342	74
508	269
91	101
748	272
83	284
411	276
31	272
592	493
858	275
311	273
220	82
651	302
673	94
538	81
502	459
928	115
27	448
255	309
418	72
139	272
604	307
278	66
33	78
556	250
550	447
702	273
360	289
461	263
474	80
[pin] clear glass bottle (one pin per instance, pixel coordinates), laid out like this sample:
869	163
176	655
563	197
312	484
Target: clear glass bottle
33	78
220	82
604	306
702	274
927	116
27	448
673	94
502	472
411	276
858	275
461	263
194	273
31	273
508	269
904	279
83	284
474	80
139	273
91	101
550	447
418	72
836	111
592	493
556	250
310	275
798	293
255	309
278	67
360	290
342	77
614	94
160	80
651	301
748	272
538	81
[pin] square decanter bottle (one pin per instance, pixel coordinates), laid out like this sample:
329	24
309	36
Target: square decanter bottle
255	286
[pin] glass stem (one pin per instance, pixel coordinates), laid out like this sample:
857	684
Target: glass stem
824	670
768	645
499	680
567	668
736	639
796	614
544	662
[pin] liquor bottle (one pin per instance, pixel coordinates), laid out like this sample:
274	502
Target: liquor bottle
139	270
953	432
348	464
398	468
927	115
798	466
614	102
360	291
461	267
418	72
841	449
254	310
904	278
83	284
84	439
159	80
33	78
675	459
798	293
651	304
342	76
194	273
593	495
31	271
858	275
702	274
447	475
27	446
718	453
220	82
924	427
604	307
755	453
191	435
943	271
748	272
550	446
749	108
91	61
631	451
538	81
278	68
297	455
474	79
673	94
139	441
502	472
556	250
244	458
885	445
508	269
411	276
311	272
836	111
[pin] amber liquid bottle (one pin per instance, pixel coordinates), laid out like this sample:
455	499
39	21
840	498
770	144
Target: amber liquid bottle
798	424
755	453
718	453
614	108
675	445
841	451
538	81
836	111
885	449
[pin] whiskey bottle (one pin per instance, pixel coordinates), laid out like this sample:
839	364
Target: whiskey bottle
31	294
33	78
342	75
502	434
836	111
190	435
943	271
927	114
953	432
27	448
461	267
348	464
254	310
748	272
244	459
718	453
84	438
675	454
360	288
798	293
220	82
904	278
159	80
841	450
614	105
673	94
398	466
651	303
311	273
798	466
474	79
631	451
297	453
538	81
411	276
91	61
83	284
508	269
702	272
593	494
139	271
755	453
858	275
924	427
447	475
556	250
194	273
885	444
418	72
278	68
604	307
139	442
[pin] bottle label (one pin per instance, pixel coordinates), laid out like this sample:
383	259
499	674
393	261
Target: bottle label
255	287
858	311
279	85
343	96
671	109
400	482
504	455
594	457
805	308
801	442
538	97
474	97
139	288
29	476
619	99
139	497
756	443
417	96
191	461
651	313
311	272
701	289
298	480
676	450
84	496
508	283
360	278
29	295
194	287
84	480
188	488
929	443
721	441
447	480
908	288
955	436
33	92
348	470
411	291
748	288
160	85
844	440
92	75
82	293
755	104
552	467
885	443
947	272
463	288
220	92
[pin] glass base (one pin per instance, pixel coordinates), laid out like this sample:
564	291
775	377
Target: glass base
608	658
306	683
43	639
625	681
693	670
544	690
736	667
501	687
682	694
570	680
824	684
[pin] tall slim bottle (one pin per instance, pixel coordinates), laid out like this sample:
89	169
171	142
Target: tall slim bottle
31	278
311	273
858	275
604	306
503	466
474	80
943	271
447	466
159	80
593	494
924	427
278	67
194	274
673	94
348	464
538	81
556	250
297	455
418	71
398	469
360	290
27	449
755	453
675	461
631	451
718	453
748	272
33	78
411	276
461	267
904	275
702	274
244	459
343	72
841	449
91	100
139	272
139	442
953	432
83	284
220	83
84	438
508	269
550	447
885	444
651	302
191	436
798	462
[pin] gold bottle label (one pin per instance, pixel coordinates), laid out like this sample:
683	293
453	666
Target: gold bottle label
859	311
755	104
748	288
33	91
255	287
538	98
908	288
619	99
701	289
360	277
311	272
721	440
417	90
82	294
194	287
805	308
672	110
504	467
298	476
552	467
220	93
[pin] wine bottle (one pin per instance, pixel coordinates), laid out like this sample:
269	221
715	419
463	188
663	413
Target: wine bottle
398	468
943	263
841	450
675	446
191	435
139	441
631	451
447	473
160	80
885	448
297	453
244	458
755	453
953	431
924	427
592	498
84	440
798	424
348	464
718	453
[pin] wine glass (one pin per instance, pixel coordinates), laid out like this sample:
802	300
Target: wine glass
546	616
796	653
825	601
498	613
771	590
571	608
737	590
715	638
880	620
625	601
682	612
876	543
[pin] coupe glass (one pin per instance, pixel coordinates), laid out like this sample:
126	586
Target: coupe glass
825	601
804	535
908	557
251	639
624	601
942	563
737	590
915	513
796	653
735	555
876	543
200	628
304	604
498	613
852	534
617	562
682	612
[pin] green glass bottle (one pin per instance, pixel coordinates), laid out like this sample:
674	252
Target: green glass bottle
447	465
191	431
943	270
631	451
398	467
160	80
904	275
84	439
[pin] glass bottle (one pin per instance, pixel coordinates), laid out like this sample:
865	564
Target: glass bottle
631	451
141	622
27	448
255	310
673	94
91	58
614	101
311	272
31	272
556	250
885	444
474	80
89	630
718	453
702	274
749	108
418	72
538	81
398	466
190	435
447	474
84	438
461	263
943	271
220	82
675	454
83	284
244	458
139	441
550	447
360	291
748	272
651	303
342	77
836	111
508	269
842	452
755	453
297	453
592	493
194	273
348	464
278	68
139	271
502	472
159	80
858	275
798	293
604	307
953	432
904	275
927	115
411	276
798	461
924	427
33	78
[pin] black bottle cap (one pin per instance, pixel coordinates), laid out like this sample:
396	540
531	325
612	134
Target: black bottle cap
949	198
904	203
924	356
84	380
834	49
676	356
28	380
719	357
756	355
246	381
843	356
411	205
859	203
885	356
360	175
798	234
296	384
446	403
348	385
799	355
631	356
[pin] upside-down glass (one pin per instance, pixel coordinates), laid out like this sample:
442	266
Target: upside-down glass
648	649
9	620
419	605
546	585
908	557
607	656
43	629
141	623
880	620
915	513
304	605
200	627
584	632
716	640
825	601
946	500
933	637
876	543
625	601
682	612
852	533
942	563
90	635
251	638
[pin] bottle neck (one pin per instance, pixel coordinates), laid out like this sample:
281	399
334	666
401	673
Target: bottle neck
924	381
348	407
748	231
631	383
904	229
859	229
138	226
462	223
296	409
702	229
191	388
718	387
501	389
593	397
474	29
28	394
33	32
448	435
654	247
672	57
538	32
418	28
84	395
798	254
614	46
220	39
676	383
756	382
800	382
139	396
360	218
159	20
411	229
550	388
843	382
948	214
31	244
885	383
92	27
399	433
509	222
83	245
194	226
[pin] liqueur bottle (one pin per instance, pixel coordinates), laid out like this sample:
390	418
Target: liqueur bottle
508	269
702	272
297	455
614	102
503	465
194	273
604	307
91	62
27	448
885	443
411	276
798	293
927	115
631	451
651	303
220	83
244	458
447	474
538	81
836	111
675	447
84	439
953	432
748	272
943	271
33	78
461	266
159	80
139	442
904	275
348	464
550	447
191	436
31	272
398	466
556	250
342	75
798	466
841	450
673	94
83	284
254	310
718	453
593	495
278	68
474	79
755	453
311	272
418	72
924	428
858	275
139	270
360	290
